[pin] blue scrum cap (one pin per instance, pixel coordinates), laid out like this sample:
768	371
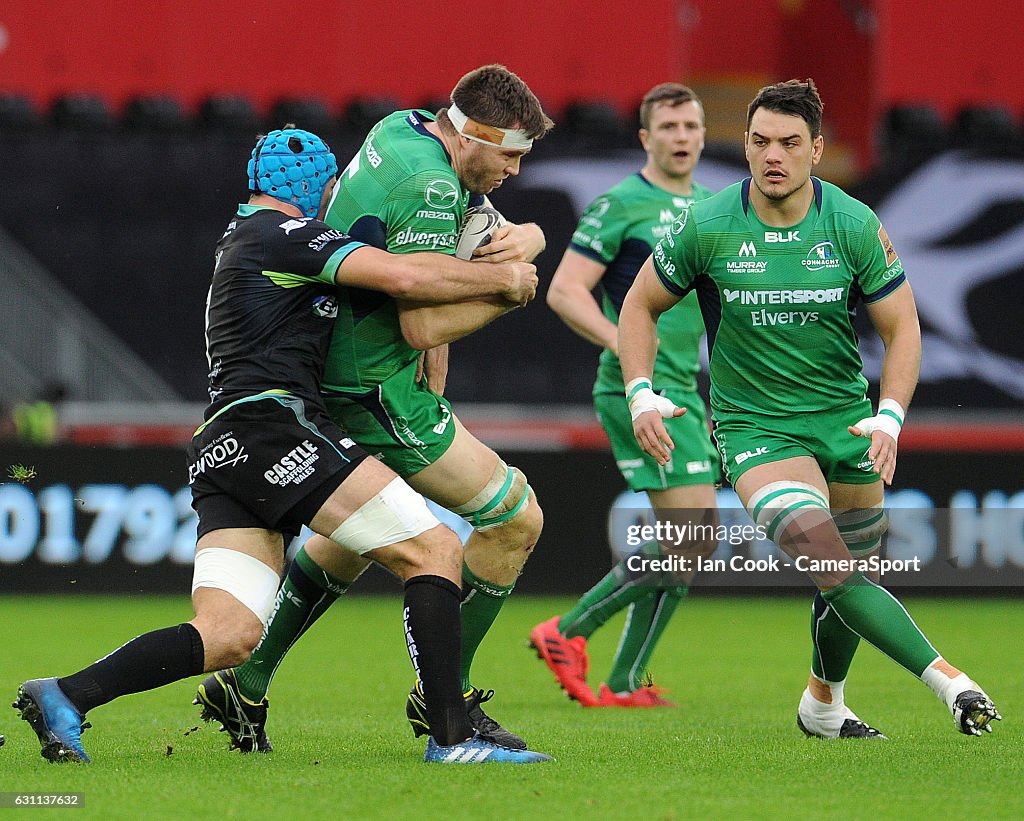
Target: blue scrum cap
294	166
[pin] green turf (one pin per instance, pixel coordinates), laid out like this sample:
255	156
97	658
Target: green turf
731	750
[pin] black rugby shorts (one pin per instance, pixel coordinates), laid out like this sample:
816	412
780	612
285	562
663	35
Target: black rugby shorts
268	461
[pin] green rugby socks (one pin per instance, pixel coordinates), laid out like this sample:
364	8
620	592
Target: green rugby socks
648	617
876	616
304	596
620	588
481	602
834	644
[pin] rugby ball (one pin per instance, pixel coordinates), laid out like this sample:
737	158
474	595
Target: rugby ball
477	228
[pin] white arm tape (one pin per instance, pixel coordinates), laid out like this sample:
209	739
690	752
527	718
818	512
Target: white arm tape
642	398
889	419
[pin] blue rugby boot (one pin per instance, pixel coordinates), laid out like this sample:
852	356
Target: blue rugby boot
477	751
57	723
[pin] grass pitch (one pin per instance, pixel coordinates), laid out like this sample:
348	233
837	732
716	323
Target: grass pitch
736	666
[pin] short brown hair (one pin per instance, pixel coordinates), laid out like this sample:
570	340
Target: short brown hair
493	95
670	94
798	98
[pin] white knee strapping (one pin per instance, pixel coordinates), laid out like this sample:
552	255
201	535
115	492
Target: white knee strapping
395	514
777	504
245	577
862	529
504	495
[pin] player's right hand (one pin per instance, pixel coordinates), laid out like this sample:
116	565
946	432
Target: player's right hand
524	283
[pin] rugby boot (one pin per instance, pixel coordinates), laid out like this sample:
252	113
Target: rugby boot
646	696
566	658
488	730
477	751
56	721
244	721
974	712
817	720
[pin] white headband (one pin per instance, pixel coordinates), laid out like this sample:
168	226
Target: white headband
489	134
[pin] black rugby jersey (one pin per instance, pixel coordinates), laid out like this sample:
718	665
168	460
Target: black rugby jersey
271	305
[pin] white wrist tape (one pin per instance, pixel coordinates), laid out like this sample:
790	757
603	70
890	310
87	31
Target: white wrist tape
642	398
635	385
889	419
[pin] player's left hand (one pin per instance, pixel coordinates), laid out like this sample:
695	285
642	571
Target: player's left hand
653	438
434	363
647	410
882	451
513	243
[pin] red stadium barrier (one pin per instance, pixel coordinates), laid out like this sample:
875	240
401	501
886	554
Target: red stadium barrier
527	430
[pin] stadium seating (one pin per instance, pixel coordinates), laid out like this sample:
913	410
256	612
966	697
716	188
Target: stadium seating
597	124
911	133
17	113
362	113
221	112
81	112
986	127
310	113
434	104
154	113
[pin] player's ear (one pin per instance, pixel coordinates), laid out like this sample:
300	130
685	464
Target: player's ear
325	197
817	147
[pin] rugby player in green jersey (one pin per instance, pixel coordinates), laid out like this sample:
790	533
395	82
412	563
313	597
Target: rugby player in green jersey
616	234
407	190
778	262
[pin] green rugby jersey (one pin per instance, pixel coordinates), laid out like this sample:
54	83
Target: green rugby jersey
401	194
779	303
619	230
